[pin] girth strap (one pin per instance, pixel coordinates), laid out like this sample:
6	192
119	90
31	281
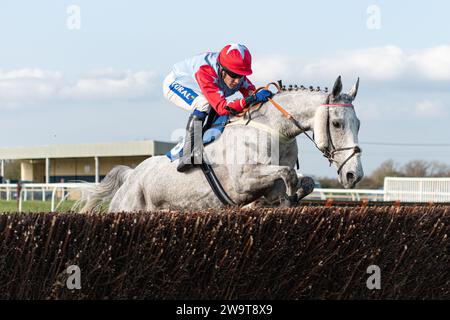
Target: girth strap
215	185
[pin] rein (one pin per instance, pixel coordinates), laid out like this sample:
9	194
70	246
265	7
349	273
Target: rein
327	153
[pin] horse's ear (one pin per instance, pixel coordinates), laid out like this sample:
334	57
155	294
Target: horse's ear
337	88
354	91
320	127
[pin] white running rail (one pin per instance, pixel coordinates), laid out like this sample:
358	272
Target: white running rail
417	189
346	194
60	191
28	192
395	189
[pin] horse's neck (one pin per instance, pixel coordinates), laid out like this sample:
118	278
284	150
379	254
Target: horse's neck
301	105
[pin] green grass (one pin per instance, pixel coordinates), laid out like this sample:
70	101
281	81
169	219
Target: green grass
34	206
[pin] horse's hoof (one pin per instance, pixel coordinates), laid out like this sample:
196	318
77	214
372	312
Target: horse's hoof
306	187
290	201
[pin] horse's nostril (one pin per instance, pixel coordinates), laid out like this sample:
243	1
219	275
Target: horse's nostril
350	176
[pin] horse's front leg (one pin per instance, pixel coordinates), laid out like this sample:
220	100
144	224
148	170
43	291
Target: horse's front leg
251	178
305	186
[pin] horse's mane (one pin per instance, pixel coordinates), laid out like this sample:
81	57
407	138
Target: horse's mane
301	88
291	89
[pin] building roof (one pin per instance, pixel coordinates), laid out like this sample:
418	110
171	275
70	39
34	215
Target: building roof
114	149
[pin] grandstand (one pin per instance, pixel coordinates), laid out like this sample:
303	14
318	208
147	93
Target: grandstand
87	162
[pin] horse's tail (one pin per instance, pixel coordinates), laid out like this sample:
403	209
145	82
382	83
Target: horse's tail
95	195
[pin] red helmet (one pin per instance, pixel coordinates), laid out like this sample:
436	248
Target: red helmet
237	59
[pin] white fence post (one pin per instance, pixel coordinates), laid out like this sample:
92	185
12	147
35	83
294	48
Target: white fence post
417	189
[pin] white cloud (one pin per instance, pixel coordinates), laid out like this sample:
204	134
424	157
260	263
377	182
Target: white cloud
30	86
387	63
384	63
433	63
112	84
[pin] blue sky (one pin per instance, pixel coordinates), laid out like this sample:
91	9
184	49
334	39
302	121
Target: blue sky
102	83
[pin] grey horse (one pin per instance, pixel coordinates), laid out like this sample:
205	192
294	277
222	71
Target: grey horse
252	159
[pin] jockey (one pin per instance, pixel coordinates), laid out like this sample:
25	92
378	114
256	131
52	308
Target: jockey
204	82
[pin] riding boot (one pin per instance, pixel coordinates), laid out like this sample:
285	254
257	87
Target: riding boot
193	143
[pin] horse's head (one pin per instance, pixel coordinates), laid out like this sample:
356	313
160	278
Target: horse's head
336	129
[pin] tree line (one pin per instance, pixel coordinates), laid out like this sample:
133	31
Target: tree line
389	168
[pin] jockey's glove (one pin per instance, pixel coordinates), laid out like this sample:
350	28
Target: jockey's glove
261	96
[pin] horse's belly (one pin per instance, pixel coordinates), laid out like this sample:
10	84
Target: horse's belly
166	188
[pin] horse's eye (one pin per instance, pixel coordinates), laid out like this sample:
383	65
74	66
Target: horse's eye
337	124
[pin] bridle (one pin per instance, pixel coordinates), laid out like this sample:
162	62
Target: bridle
330	151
